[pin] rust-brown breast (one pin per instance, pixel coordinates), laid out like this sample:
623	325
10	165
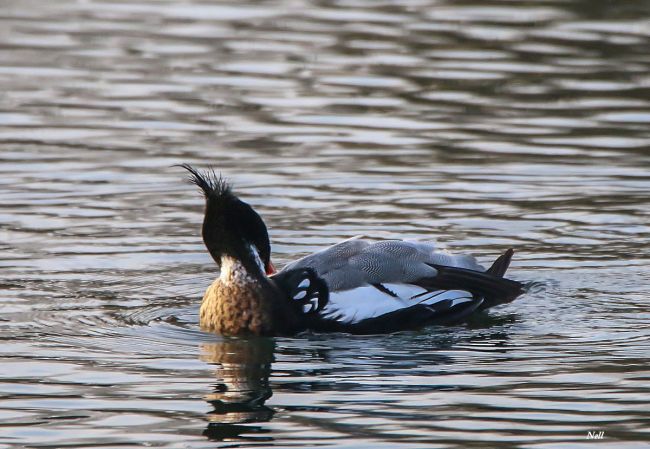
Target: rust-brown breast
236	309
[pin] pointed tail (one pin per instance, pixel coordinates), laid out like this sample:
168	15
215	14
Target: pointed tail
500	266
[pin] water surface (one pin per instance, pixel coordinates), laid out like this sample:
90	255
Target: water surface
483	125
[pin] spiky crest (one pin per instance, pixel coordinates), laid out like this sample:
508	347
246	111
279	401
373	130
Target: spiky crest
212	184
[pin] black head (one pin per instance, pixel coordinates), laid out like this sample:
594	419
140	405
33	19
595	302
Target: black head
230	226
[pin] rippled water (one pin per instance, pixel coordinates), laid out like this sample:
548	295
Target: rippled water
482	124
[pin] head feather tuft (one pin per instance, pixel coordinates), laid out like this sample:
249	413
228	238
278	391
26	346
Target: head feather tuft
212	184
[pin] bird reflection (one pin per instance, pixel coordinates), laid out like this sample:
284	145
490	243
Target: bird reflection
243	367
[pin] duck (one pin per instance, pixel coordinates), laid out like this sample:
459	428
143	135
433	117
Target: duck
357	286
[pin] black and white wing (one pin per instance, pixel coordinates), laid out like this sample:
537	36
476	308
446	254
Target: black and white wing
362	287
393	307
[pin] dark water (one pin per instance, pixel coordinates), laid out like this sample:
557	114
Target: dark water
484	124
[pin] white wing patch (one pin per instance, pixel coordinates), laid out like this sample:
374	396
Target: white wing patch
361	303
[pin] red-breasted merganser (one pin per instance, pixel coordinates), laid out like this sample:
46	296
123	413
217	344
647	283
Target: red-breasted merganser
355	286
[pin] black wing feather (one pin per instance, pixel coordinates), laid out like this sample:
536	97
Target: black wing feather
495	289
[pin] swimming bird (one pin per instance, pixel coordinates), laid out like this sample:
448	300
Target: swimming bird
357	286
